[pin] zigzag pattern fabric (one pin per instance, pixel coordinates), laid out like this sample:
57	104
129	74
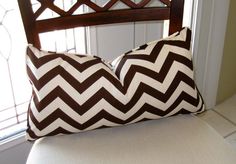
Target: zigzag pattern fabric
74	93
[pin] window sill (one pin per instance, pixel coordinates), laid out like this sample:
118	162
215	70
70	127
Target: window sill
12	141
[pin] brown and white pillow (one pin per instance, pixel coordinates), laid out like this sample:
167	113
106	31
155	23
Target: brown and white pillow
74	93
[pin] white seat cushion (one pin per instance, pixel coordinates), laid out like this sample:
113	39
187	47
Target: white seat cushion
182	139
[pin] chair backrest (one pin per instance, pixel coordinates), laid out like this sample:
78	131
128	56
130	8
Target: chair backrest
171	10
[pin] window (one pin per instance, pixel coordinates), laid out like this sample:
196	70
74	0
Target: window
15	89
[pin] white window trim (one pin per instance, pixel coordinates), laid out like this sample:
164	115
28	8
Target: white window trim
211	58
12	141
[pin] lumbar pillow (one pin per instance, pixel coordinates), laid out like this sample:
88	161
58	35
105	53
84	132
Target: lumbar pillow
74	93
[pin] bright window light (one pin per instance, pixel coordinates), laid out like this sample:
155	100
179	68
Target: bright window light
15	89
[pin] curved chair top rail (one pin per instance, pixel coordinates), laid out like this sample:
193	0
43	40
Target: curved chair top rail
170	10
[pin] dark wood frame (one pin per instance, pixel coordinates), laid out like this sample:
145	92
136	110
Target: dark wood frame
173	10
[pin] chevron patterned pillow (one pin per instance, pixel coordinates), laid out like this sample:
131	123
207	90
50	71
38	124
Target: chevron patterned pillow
74	93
